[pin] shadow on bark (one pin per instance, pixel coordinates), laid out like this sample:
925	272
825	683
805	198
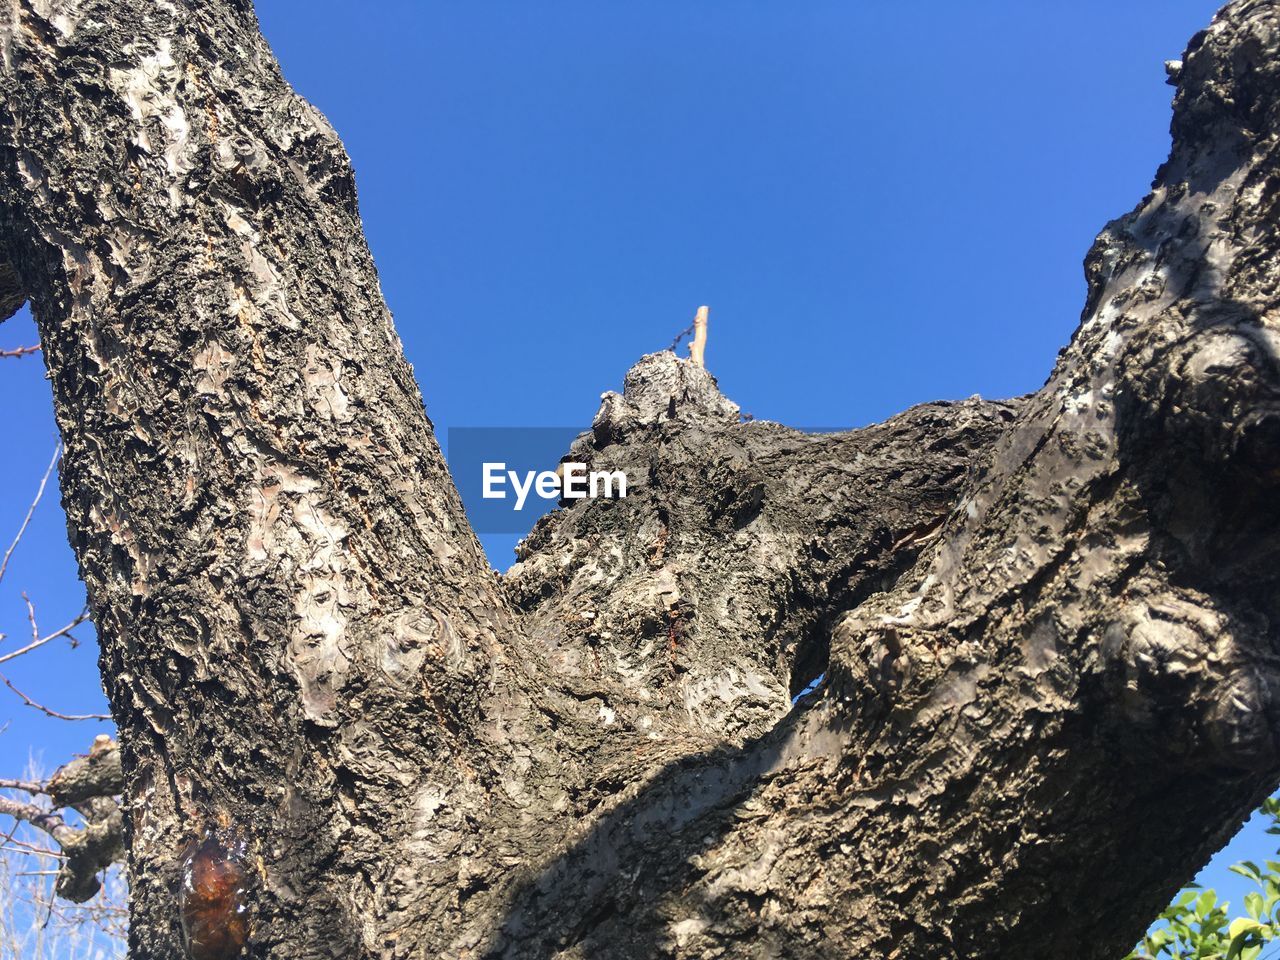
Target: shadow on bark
607	893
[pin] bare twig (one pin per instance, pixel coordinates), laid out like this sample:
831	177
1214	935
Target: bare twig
686	332
48	712
30	849
45	820
61	632
31	616
9	836
26	786
20	351
4	564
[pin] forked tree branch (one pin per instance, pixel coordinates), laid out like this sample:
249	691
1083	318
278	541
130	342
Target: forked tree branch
89	785
1046	625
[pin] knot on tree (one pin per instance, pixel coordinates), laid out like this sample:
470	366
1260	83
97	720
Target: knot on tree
1171	651
1212	400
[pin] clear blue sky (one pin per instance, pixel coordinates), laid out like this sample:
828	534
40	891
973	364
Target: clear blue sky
883	203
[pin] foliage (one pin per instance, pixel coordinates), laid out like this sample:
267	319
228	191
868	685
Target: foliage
1196	926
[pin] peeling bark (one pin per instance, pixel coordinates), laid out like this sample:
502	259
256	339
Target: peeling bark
1046	625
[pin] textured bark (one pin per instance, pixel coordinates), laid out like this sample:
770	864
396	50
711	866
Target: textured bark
1047	626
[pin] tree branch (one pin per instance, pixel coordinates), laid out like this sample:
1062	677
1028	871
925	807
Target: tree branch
1048	620
26	520
27	786
89	785
1071	695
703	601
27	701
63	631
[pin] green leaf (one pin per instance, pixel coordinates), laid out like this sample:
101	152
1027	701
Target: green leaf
1247	869
1254	906
1243	932
1205	903
1242	925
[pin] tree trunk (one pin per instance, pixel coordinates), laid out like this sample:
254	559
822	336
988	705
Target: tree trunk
1047	626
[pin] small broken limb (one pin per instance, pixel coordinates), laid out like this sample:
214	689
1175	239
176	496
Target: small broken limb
698	349
698	330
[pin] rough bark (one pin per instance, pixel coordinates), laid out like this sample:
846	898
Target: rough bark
710	590
1047	625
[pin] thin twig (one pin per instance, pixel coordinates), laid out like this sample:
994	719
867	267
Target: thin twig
63	632
45	710
20	351
45	820
686	332
4	564
12	830
30	849
26	786
31	616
